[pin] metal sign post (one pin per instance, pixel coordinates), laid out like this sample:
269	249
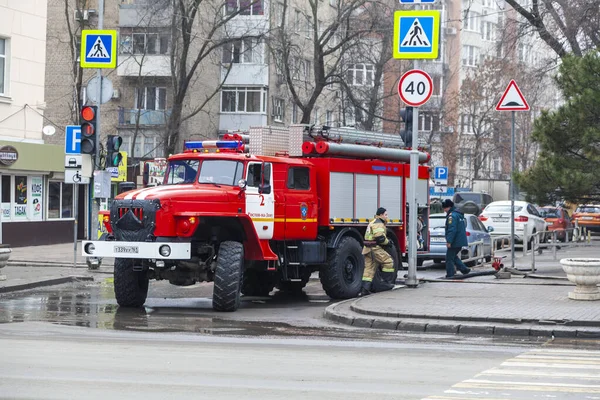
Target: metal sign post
512	100
415	89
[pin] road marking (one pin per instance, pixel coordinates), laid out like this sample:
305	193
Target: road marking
506	372
526	373
549	365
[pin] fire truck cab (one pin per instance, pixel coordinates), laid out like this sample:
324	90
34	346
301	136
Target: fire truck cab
252	213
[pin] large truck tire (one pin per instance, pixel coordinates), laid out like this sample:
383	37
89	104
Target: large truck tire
131	287
228	276
257	283
342	276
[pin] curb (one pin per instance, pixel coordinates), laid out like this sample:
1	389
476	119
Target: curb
47	282
424	324
357	309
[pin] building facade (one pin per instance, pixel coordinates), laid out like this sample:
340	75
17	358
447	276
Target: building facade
37	206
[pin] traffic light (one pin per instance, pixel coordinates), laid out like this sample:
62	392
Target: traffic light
89	137
113	157
406	114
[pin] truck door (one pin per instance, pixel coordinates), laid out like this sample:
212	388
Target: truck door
301	204
260	203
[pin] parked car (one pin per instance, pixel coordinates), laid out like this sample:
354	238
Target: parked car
471	202
476	232
588	216
558	220
527	220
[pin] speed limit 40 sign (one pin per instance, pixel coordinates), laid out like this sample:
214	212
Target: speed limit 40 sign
415	87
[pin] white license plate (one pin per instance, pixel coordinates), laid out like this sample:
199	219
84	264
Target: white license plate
127	249
587	218
438	239
500	219
550	223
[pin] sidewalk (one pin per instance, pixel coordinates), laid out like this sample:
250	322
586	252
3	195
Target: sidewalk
37	266
533	305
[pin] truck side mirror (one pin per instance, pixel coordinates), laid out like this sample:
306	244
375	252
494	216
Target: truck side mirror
264	188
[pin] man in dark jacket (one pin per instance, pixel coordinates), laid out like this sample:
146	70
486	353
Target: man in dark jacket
456	238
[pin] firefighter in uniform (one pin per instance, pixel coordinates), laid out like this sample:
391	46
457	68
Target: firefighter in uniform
375	255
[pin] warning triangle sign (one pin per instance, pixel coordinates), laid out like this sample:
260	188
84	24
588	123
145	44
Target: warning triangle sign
416	37
98	50
512	99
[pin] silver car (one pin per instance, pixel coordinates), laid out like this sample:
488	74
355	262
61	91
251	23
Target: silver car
476	232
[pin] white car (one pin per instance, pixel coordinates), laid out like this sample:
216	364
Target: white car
527	220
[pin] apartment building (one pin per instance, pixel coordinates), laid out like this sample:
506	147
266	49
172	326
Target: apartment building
37	207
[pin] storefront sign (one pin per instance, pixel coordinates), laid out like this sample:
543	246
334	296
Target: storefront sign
36	197
8	155
20	204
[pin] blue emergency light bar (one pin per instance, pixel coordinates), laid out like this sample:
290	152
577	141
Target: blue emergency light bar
212	144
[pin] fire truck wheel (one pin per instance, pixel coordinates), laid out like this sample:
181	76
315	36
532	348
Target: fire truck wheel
257	283
342	276
131	287
228	276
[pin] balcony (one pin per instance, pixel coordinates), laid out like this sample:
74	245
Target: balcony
144	65
147	117
144	14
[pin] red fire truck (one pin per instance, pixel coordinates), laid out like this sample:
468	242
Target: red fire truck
251	212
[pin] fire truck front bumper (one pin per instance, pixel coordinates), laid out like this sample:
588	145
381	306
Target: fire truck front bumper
144	250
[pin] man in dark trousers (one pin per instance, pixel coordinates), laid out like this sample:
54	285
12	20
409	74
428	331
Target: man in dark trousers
456	238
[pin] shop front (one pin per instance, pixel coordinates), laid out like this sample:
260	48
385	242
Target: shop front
38	208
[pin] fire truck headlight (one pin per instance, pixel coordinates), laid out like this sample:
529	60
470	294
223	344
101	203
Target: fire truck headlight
90	248
242	183
165	251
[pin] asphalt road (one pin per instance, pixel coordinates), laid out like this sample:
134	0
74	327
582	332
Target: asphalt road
40	360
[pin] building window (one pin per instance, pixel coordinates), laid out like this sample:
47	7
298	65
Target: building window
3	66
60	200
243	100
278	11
145	146
145	43
466	123
488	31
245	7
437	85
294	113
151	98
429	122
471	21
297	19
278	109
470	56
328	117
245	51
316	121
308	26
360	74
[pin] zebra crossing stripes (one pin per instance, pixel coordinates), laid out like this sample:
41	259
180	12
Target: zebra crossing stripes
539	373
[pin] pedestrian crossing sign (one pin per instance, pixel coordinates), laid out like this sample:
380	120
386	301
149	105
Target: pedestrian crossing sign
98	49
416	34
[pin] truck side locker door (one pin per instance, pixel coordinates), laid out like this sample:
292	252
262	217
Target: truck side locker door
301	204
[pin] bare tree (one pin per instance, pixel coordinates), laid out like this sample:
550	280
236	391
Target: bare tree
481	124
316	42
565	26
199	31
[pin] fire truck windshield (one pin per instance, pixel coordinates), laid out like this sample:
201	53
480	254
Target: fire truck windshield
221	172
181	171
